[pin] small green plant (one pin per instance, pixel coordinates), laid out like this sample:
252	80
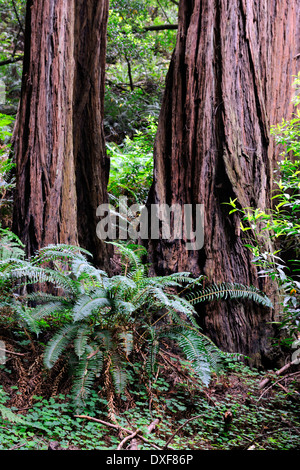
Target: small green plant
6	412
11	256
6	163
280	224
131	166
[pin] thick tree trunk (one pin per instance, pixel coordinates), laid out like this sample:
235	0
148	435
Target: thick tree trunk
229	80
61	162
92	164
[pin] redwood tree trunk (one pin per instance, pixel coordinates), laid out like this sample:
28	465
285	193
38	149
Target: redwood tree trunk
61	163
229	80
91	162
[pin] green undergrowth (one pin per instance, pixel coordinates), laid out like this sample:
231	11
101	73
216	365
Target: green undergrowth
191	416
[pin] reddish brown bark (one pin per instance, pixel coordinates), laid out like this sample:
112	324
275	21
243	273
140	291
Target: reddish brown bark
229	80
60	114
92	164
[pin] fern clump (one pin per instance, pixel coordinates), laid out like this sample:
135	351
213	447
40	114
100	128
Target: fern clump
107	320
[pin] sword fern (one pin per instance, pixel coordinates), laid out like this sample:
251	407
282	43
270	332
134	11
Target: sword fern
107	319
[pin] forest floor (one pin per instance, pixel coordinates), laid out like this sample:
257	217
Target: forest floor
175	412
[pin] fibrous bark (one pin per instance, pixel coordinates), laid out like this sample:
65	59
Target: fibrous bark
61	164
229	81
91	162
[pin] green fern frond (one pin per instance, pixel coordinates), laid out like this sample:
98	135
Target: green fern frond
7	414
139	276
17	269
174	307
12	417
122	284
48	309
122	311
191	283
44	297
183	306
130	255
172	280
88	305
126	338
199	350
105	339
63	281
60	251
86	370
160	296
27	273
10	245
161	283
58	343
81	340
119	373
11	248
82	269
231	291
25	316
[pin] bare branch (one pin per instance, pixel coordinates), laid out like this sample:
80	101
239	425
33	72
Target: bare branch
11	352
105	423
266	380
17	16
127	438
12	60
120	428
161	27
180	427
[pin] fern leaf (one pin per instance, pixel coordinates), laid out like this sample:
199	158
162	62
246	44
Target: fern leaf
199	350
10	245
47	309
63	281
104	337
123	309
123	283
138	276
58	343
60	251
25	315
119	373
80	268
153	347
128	253
160	296
6	413
126	338
182	306
87	305
84	377
81	340
43	297
173	280
232	291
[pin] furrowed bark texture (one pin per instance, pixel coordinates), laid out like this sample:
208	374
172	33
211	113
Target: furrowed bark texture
60	114
229	80
92	164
